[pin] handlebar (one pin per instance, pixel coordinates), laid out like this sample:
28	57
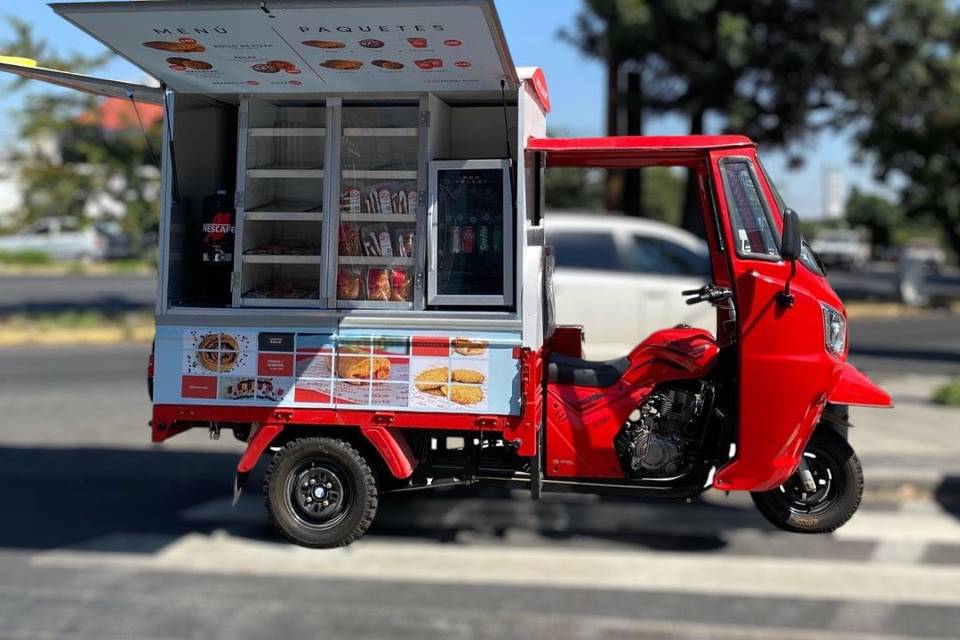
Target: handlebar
708	293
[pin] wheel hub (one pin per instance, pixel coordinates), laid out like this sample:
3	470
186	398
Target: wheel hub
802	501
318	494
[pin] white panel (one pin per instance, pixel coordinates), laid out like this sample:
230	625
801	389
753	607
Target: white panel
330	47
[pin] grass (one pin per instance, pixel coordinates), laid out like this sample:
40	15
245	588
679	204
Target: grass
34	263
948	394
75	327
25	258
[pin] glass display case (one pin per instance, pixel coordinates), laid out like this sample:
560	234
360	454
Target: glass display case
378	205
280	235
471	238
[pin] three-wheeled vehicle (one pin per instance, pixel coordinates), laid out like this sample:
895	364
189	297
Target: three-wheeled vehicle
354	278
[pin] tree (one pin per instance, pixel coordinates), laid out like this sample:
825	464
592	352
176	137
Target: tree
68	161
611	31
877	214
765	69
905	105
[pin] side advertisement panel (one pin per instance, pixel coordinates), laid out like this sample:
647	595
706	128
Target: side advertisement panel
391	370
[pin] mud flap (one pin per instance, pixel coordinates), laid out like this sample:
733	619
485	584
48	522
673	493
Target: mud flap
239	482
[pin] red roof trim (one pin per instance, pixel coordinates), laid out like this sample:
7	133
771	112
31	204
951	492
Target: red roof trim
638	143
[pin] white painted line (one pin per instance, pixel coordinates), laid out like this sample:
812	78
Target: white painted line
548	568
902	526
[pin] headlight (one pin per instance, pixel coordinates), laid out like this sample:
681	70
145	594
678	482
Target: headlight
834	330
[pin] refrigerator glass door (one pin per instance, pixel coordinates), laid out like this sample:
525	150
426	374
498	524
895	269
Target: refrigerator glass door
471	225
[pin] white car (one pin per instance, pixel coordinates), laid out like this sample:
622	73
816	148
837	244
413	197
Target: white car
621	278
59	238
847	248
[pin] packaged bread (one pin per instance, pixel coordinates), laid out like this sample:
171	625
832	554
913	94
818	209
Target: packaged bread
401	286
404	243
350	200
349	284
378	284
349	240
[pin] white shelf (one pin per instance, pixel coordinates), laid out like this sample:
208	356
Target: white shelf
286	132
291	210
292	303
284	172
257	258
379	217
379	174
372	304
376	261
380	132
283	216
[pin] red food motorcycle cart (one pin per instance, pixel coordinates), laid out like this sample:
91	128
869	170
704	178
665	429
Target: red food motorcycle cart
372	307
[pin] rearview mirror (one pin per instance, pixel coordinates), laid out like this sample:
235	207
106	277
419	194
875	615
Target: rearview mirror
790	241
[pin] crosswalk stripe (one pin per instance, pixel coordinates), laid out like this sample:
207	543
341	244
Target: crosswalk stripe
550	568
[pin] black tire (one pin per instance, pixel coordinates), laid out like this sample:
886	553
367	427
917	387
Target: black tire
308	471
839	476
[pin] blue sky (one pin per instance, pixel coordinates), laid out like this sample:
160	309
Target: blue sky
576	86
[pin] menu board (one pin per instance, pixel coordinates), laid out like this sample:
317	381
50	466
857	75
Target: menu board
429	371
335	48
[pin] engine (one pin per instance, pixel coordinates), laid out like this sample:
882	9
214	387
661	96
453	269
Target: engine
662	438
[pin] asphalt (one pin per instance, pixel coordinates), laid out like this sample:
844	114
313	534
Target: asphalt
53	294
120	293
106	536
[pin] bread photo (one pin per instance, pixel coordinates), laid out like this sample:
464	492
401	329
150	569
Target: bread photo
342	65
324	44
176	47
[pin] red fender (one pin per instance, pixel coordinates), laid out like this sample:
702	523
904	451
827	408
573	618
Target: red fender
394	449
854	388
257	445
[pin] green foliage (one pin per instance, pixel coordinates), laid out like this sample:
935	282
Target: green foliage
948	394
573	188
67	160
26	257
905	105
765	69
877	214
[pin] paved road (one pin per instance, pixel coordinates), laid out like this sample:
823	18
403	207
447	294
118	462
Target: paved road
927	344
104	536
30	294
48	294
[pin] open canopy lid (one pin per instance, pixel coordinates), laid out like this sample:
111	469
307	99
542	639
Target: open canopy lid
304	46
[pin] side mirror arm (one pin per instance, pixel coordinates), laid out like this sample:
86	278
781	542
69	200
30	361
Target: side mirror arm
791	245
786	299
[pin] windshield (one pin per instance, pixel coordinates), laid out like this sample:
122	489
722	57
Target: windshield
808	258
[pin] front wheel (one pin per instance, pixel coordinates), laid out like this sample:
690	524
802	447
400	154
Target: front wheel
838	477
320	492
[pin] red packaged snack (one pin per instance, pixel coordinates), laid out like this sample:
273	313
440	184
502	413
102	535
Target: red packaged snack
400	286
348	284
378	284
418	43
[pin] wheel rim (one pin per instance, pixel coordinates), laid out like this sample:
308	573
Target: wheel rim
829	481
318	494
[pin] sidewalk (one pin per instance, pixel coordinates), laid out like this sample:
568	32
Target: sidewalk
916	445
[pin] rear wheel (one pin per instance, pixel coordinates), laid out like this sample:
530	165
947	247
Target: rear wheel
320	492
838	477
